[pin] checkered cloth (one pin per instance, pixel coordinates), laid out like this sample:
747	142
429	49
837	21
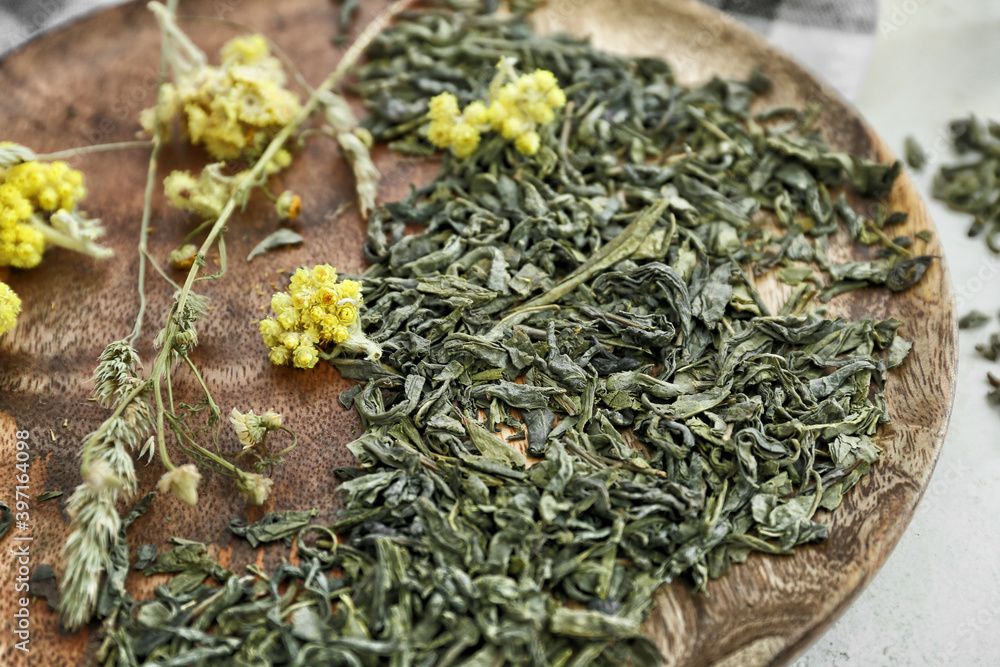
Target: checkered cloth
834	38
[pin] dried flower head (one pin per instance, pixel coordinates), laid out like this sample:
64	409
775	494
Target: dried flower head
271	420
182	481
288	206
316	310
38	208
233	110
518	106
251	429
183	257
10	308
254	487
248	428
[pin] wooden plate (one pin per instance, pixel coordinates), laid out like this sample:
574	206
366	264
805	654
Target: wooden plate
86	84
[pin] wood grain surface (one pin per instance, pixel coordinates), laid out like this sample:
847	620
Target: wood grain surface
86	84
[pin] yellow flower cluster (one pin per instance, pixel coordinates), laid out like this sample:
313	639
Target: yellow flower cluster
314	311
235	109
517	108
10	308
28	188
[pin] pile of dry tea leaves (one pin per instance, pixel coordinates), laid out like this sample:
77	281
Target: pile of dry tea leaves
590	309
972	185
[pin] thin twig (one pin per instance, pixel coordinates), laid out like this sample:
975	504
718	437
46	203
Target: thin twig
96	148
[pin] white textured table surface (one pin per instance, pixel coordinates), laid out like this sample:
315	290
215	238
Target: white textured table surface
937	599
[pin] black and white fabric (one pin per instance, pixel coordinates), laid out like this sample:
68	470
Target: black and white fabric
834	38
21	20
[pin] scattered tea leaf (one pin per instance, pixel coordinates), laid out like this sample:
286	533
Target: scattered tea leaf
48	495
277	239
973	320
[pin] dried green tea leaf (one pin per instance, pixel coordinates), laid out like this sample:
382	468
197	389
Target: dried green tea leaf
145	555
48	495
898	351
973	320
916	158
273	526
990	350
277	239
43	584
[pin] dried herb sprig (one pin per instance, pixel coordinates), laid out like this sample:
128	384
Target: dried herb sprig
108	470
97	533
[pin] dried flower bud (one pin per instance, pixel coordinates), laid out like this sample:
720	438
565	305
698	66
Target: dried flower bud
288	206
270	420
255	488
182	482
183	257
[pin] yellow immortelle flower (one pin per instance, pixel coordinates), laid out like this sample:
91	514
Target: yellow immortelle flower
518	106
38	208
10	308
315	311
233	110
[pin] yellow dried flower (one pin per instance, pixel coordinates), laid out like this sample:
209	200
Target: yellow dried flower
528	143
305	356
38	207
10	308
279	356
247	50
315	311
517	108
464	139
443	107
476	114
233	110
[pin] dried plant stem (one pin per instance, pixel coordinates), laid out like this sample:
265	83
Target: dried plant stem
95	519
96	148
147	209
